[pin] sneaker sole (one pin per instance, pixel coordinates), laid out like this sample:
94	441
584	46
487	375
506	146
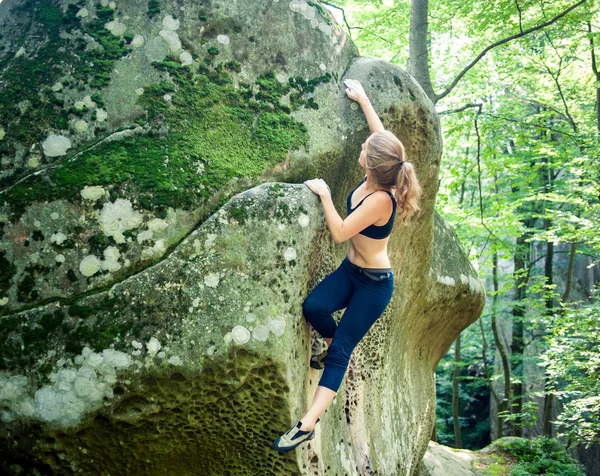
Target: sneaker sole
287	450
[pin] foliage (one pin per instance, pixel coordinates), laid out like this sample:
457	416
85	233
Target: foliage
572	362
541	455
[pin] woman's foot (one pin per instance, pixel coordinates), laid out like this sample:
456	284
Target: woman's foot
316	361
293	438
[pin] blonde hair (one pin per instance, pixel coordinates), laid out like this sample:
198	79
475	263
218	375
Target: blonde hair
386	159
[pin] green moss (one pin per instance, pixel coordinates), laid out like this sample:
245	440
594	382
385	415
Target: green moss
26	79
321	10
51	321
25	288
213	50
231	132
97	243
7	271
153	8
239	213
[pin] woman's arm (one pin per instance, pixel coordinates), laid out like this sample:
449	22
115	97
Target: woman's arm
355	91
371	210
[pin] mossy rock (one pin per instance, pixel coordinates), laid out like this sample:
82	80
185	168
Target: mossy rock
152	287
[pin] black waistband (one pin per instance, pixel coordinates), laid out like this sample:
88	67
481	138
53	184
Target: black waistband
370	270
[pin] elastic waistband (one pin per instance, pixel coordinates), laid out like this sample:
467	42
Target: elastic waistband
367	270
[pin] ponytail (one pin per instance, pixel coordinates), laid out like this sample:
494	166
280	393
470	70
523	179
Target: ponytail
387	160
408	192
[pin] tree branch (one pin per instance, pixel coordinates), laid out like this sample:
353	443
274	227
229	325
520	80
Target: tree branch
556	81
501	42
343	14
520	16
594	64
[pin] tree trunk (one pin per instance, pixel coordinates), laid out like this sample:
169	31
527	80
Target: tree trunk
456	395
522	256
503	405
418	60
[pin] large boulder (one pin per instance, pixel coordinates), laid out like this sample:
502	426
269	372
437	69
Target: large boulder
151	288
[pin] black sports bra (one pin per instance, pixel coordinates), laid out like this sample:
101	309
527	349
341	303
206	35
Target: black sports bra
373	231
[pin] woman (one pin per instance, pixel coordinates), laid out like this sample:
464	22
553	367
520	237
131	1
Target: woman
364	281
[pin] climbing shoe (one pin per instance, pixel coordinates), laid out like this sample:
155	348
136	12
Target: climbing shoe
316	361
293	437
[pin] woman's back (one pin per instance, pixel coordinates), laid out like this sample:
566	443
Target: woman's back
371	251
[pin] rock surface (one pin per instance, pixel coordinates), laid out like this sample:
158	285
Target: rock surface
148	307
443	460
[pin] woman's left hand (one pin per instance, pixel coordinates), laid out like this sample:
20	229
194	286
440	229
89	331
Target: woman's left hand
318	186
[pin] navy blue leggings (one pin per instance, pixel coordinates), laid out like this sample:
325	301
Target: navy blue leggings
365	293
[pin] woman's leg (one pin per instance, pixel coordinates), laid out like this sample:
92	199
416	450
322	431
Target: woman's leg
366	305
330	295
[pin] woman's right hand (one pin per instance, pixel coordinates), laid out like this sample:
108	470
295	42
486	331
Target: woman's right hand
354	90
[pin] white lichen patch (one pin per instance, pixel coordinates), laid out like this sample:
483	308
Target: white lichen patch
87	100
223	39
276	325
60	258
112	5
101	115
240	334
79	105
261	333
81	126
117	217
172	39
2	133
115	27
20	53
54	215
322	67
158	249
104	3
303	220
289	254
447	280
138	40
250	317
282	78
144	236
186	58
174	360
210	239
211	280
170	23
139	91
3	301
325	28
167	97
71	394
57	87
58	238
212	348
157	224
89	265
111	259
93	192
153	346
56	145
33	162
82	13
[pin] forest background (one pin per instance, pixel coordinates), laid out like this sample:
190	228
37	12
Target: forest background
517	87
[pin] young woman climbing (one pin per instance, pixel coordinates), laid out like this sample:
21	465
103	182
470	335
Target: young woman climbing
364	281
